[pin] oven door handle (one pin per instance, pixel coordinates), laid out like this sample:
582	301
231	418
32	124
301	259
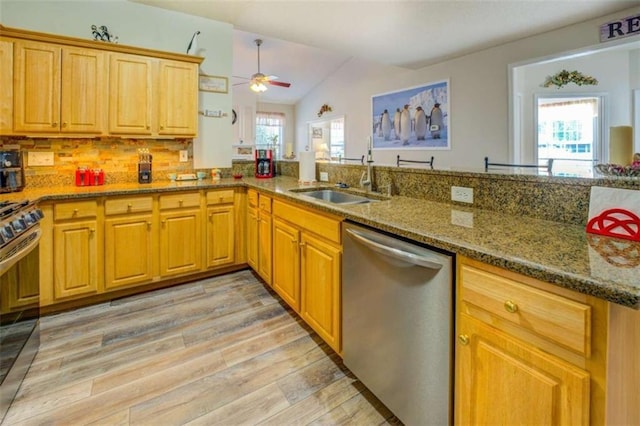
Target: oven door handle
32	243
395	252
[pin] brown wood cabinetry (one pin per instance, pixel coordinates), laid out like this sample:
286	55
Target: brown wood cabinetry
177	98
180	234
529	352
6	82
129	241
65	85
58	89
259	234
130	94
220	228
73	266
307	256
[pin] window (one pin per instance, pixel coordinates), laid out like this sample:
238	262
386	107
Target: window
337	138
270	131
568	132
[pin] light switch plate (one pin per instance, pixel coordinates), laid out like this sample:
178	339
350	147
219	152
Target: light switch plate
184	155
38	158
324	177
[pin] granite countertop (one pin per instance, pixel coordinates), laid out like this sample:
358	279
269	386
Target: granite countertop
558	253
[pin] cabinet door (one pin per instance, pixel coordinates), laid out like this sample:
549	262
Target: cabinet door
286	263
19	286
130	94
37	87
128	251
178	98
180	242
253	226
83	90
75	259
264	246
6	82
501	380
220	236
320	268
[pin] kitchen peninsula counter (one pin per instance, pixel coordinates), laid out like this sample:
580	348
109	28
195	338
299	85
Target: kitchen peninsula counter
558	253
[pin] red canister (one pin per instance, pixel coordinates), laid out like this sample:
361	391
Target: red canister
82	177
97	177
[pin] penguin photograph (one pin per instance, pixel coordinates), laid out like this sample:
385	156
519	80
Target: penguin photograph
411	126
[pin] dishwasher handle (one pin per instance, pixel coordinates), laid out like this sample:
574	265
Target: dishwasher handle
397	253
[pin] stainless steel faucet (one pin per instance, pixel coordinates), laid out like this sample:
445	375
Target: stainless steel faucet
365	179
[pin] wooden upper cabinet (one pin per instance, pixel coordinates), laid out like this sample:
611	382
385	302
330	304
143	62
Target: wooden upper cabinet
84	90
6	83
178	98
130	94
37	87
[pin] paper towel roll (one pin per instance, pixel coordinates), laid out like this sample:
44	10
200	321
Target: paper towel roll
307	167
621	145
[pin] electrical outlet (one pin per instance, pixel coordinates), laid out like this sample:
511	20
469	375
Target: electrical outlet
184	155
462	218
324	177
462	194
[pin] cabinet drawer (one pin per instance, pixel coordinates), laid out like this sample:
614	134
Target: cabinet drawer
220	197
264	203
553	317
253	198
128	205
320	224
75	210
176	201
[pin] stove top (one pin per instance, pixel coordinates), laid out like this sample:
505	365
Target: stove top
19	231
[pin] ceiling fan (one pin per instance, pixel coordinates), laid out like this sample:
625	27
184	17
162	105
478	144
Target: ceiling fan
258	80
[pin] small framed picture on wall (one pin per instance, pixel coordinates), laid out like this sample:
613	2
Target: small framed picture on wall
213	83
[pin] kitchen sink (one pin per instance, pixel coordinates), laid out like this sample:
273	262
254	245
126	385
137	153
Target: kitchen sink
336	197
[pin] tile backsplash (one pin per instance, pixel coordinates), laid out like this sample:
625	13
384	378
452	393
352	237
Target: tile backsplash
117	157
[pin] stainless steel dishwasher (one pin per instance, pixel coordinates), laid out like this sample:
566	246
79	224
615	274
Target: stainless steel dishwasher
397	300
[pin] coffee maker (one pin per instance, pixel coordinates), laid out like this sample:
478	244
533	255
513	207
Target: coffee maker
11	171
265	165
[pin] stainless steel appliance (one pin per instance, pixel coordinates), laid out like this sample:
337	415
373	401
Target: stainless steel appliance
397	310
19	288
11	171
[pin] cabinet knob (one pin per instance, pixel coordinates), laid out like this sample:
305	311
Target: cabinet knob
221	199
510	307
180	202
161	127
163	222
302	244
129	206
148	127
92	230
54	124
64	124
294	242
210	214
149	225
75	212
463	339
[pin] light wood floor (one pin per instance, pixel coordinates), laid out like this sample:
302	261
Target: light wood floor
222	351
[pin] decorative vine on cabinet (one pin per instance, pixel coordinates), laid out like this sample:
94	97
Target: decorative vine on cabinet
88	88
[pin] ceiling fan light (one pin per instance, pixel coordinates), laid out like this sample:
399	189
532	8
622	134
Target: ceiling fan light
257	86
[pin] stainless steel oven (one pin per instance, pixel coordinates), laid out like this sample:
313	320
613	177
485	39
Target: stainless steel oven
19	295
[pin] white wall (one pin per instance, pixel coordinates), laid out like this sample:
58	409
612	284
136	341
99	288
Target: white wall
479	91
144	26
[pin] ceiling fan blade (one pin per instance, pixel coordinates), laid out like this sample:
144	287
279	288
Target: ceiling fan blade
240	84
241	77
279	83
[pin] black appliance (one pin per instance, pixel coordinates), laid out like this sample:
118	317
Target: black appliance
11	171
265	164
20	303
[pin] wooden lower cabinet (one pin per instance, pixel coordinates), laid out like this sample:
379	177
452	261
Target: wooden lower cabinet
76	258
220	236
307	267
124	237
286	265
502	380
321	286
264	246
253	227
180	233
19	286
